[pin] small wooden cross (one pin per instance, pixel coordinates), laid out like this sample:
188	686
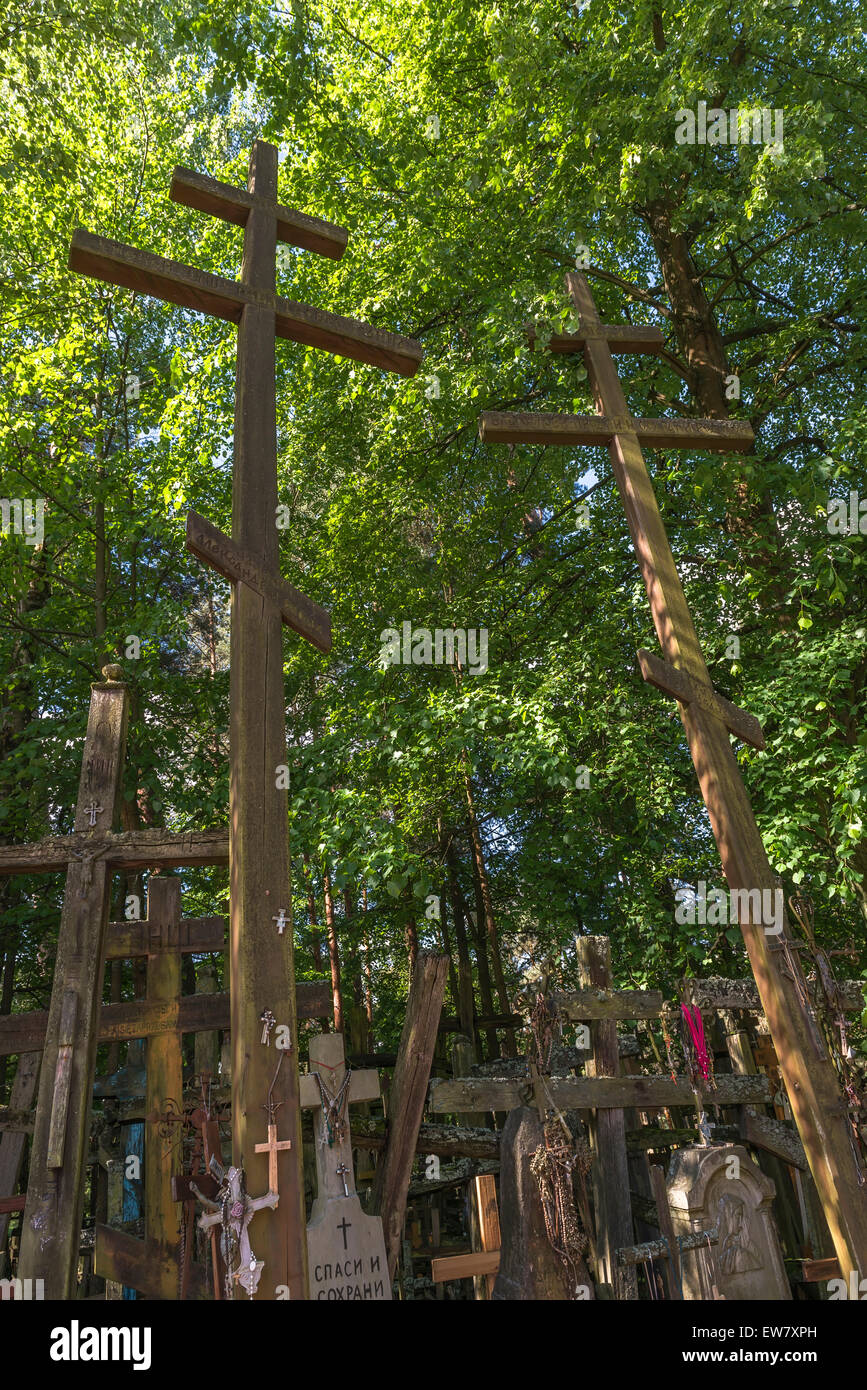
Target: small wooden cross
272	1148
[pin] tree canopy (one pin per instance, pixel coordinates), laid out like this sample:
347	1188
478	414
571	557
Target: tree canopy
474	153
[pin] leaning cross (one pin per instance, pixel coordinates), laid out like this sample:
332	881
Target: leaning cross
346	1246
261	602
811	1081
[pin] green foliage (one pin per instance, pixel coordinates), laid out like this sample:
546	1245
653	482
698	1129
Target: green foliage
555	129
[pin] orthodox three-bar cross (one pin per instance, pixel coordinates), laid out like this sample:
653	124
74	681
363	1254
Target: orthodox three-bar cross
817	1103
261	957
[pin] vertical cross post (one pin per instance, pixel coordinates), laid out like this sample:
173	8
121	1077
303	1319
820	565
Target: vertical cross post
261	960
55	1192
164	1062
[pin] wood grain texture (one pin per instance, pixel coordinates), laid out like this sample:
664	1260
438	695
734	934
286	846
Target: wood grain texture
231	204
587	1004
718	993
165	1084
296	610
686	689
139	1018
773	1137
133	849
189	288
126	940
538	427
607	1128
407	1097
12	1142
529	1269
55	1194
446	1267
619	337
142	1265
587	1092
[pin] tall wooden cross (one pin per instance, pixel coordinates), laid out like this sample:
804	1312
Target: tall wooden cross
817	1102
262	969
347	1247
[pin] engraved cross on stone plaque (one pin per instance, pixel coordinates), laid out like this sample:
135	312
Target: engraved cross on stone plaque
346	1246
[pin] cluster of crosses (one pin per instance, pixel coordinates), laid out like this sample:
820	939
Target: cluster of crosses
266	1096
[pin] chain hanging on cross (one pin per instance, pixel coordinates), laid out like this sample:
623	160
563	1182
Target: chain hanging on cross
334	1104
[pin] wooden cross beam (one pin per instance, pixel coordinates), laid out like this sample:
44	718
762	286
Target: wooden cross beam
129	849
604	1003
811	1081
145	1018
117	264
619	337
296	610
688	690
55	1191
262	962
713	436
481	1093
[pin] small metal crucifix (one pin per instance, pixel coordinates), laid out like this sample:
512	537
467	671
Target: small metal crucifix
92	811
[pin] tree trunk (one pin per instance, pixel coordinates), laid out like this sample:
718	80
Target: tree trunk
315	939
333	954
487	908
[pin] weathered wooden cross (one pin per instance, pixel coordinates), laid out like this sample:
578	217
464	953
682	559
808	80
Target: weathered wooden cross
604	1092
817	1102
346	1246
262	969
55	1192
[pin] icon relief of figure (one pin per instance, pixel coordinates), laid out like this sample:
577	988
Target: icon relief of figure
738	1253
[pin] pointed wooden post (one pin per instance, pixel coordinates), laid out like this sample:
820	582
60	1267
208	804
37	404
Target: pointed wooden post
55	1193
407	1097
261	953
818	1105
